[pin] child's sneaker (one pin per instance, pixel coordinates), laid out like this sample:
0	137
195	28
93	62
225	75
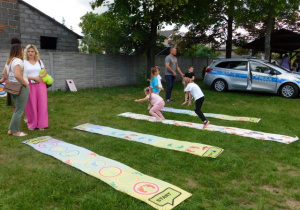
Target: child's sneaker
205	124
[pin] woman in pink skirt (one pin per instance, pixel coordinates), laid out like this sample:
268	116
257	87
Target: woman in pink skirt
36	108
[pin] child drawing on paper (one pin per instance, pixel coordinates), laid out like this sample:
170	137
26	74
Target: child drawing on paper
196	92
154	100
190	74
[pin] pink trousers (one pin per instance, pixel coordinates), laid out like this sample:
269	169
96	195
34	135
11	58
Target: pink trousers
37	108
154	111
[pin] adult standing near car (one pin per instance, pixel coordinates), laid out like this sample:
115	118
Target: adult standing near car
286	62
36	108
171	65
15	73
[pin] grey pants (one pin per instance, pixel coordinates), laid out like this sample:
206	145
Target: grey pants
20	103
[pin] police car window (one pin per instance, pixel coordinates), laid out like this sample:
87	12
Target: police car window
238	65
259	67
223	64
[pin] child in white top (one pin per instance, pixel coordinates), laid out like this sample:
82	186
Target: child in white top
156	101
196	92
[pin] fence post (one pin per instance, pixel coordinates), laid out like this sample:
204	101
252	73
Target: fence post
52	70
94	70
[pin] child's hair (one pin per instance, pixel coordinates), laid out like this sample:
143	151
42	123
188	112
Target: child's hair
186	81
191	67
148	91
153	71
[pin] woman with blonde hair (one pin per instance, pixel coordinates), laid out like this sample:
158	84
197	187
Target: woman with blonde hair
36	108
16	73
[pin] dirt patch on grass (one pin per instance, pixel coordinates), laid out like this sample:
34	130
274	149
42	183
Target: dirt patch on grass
293	204
272	189
192	183
290	170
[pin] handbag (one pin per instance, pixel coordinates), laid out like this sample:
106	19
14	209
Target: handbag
46	79
13	88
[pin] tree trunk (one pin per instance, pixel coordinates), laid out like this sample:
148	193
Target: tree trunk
229	37
151	47
269	28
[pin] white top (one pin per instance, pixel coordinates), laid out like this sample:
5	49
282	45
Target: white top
159	80
155	98
195	90
11	73
33	70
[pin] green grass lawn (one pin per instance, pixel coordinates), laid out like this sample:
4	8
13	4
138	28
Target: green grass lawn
249	174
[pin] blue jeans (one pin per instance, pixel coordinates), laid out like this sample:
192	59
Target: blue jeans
170	82
20	103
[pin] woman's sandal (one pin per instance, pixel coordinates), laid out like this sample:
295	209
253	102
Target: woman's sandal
21	134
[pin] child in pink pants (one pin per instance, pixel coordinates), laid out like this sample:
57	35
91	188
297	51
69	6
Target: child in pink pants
156	101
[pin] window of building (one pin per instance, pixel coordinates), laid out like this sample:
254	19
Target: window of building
48	42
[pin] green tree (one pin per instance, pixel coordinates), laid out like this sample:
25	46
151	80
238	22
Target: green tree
200	51
261	16
212	22
103	33
142	19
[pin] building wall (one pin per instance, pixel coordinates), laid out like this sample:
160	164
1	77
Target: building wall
9	22
90	71
18	19
33	25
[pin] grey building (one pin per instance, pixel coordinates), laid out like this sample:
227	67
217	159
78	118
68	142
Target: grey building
20	19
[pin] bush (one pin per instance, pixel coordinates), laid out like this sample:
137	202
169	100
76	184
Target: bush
201	51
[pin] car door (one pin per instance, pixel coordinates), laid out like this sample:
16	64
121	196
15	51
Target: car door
262	77
237	72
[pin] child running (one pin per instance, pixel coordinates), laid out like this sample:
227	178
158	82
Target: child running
196	92
156	101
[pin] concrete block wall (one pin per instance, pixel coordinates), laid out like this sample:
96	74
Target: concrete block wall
9	22
90	71
33	25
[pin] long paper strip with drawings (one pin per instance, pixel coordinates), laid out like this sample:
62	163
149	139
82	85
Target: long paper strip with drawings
230	130
183	146
218	116
155	192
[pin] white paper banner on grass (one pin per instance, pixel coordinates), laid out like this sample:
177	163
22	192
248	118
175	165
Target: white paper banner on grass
218	116
183	146
230	130
155	192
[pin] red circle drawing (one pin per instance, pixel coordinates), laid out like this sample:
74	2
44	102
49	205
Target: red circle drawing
48	144
145	188
115	173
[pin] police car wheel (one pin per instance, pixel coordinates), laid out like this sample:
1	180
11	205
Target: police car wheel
289	91
220	85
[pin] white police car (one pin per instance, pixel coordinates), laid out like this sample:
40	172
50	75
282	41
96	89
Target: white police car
252	75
